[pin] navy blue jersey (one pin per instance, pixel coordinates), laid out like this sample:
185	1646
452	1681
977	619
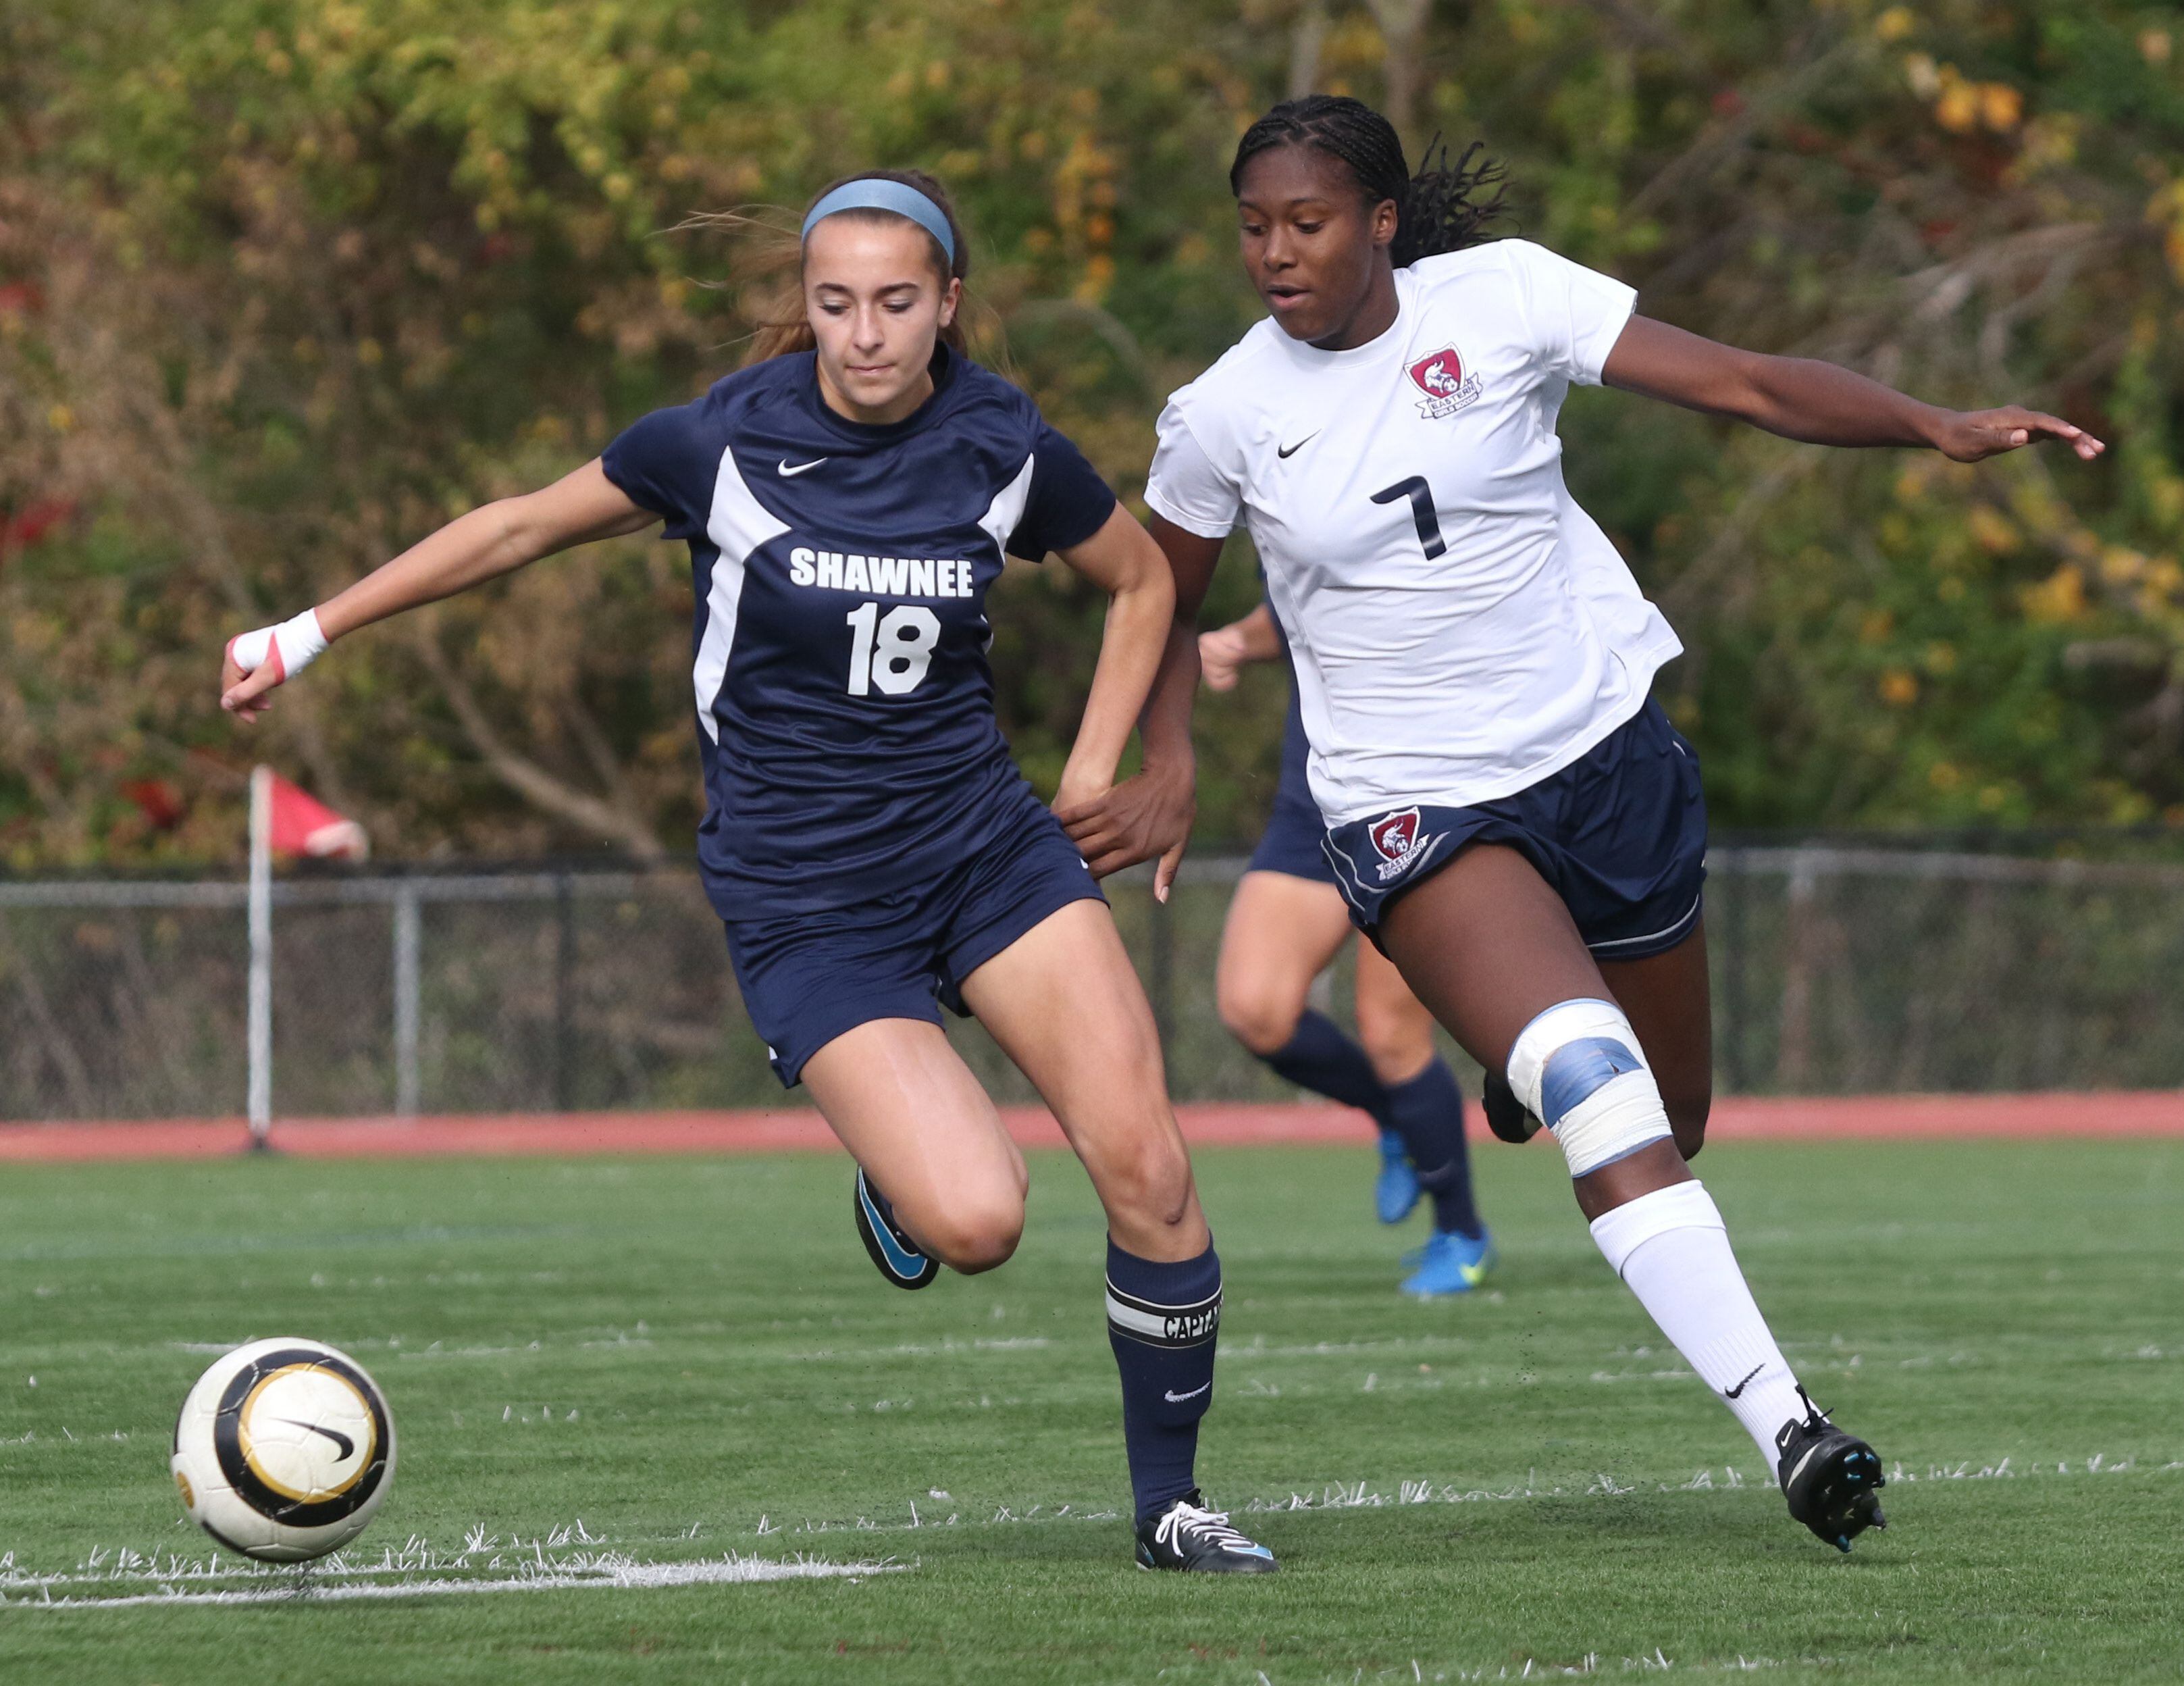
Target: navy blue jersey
846	710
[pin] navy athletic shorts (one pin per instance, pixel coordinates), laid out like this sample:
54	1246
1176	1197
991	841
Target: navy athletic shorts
1620	834
807	978
1295	841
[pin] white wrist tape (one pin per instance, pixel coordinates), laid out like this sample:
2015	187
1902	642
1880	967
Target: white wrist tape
292	646
1578	1069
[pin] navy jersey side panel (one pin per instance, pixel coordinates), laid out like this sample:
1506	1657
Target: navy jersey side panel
845	707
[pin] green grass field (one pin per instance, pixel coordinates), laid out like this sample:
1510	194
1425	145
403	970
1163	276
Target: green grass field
693	1359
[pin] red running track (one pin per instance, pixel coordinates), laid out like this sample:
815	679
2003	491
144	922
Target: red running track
2136	1115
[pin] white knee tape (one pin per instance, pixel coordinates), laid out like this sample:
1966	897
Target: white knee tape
1579	1070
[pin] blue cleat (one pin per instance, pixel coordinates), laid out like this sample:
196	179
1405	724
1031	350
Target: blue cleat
1395	1191
1451	1262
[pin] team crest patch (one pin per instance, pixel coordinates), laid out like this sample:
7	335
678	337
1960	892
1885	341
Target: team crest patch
1396	838
1447	388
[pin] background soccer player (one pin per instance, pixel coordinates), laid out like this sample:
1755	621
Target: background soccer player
1286	925
1512	817
868	840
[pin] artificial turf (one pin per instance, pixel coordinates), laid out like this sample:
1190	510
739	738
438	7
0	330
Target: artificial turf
693	1358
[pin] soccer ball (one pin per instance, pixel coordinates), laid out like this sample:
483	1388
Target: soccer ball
283	1450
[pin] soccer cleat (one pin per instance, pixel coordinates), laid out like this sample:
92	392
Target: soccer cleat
1506	1115
894	1253
1829	1477
1451	1263
1395	1191
1189	1538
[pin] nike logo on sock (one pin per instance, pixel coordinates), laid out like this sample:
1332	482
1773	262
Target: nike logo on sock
1731	1392
1178	1399
789	474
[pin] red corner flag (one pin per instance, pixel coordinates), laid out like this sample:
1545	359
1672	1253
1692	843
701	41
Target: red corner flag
298	824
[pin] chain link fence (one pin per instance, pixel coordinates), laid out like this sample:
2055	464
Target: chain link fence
1836	969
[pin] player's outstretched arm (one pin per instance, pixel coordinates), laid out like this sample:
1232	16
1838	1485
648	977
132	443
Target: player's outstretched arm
1123	561
495	539
1226	651
1148	814
1801	398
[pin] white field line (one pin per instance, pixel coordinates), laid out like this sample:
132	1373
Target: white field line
608	1569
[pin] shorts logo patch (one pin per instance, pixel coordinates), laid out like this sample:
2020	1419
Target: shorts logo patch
1396	838
1447	388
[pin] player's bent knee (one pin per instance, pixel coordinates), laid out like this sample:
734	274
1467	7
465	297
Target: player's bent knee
1148	1181
969	1239
1578	1069
1263	1020
1397	1051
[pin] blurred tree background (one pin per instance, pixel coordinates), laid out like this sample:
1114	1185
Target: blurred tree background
283	283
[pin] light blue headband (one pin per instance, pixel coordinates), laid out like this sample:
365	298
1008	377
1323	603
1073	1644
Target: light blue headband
877	192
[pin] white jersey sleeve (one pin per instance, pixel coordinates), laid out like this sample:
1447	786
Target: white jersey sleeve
1576	314
1185	485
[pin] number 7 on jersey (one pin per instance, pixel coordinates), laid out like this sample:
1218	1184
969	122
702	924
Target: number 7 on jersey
1423	513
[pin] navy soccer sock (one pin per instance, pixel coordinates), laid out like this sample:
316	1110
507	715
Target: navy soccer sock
1319	1057
1162	1321
1427	1113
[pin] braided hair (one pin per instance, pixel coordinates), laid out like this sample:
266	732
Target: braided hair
1441	209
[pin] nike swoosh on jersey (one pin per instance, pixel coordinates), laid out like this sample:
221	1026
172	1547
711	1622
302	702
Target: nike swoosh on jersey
789	474
1178	1399
1287	451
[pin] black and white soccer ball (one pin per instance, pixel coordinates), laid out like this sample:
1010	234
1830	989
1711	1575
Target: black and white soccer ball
284	1450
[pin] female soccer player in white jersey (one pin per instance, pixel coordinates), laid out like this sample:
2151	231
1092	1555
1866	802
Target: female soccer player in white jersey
1286	923
1511	818
868	840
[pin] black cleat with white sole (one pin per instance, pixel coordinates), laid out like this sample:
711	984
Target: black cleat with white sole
1830	1478
1507	1116
894	1253
1189	1538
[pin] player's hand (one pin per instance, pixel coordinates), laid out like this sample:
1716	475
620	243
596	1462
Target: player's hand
255	662
1148	814
244	694
1222	654
1969	435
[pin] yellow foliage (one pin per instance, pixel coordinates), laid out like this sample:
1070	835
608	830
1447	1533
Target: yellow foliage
1945	775
1898	689
1959	108
2057	599
1875	626
1941	658
2121	565
1894	24
1992	530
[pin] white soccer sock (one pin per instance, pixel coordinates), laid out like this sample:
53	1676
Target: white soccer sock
1672	1249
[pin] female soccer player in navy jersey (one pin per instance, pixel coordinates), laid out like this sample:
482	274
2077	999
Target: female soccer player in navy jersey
1510	817
869	843
1286	923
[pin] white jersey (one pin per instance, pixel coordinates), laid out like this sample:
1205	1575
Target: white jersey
1462	629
